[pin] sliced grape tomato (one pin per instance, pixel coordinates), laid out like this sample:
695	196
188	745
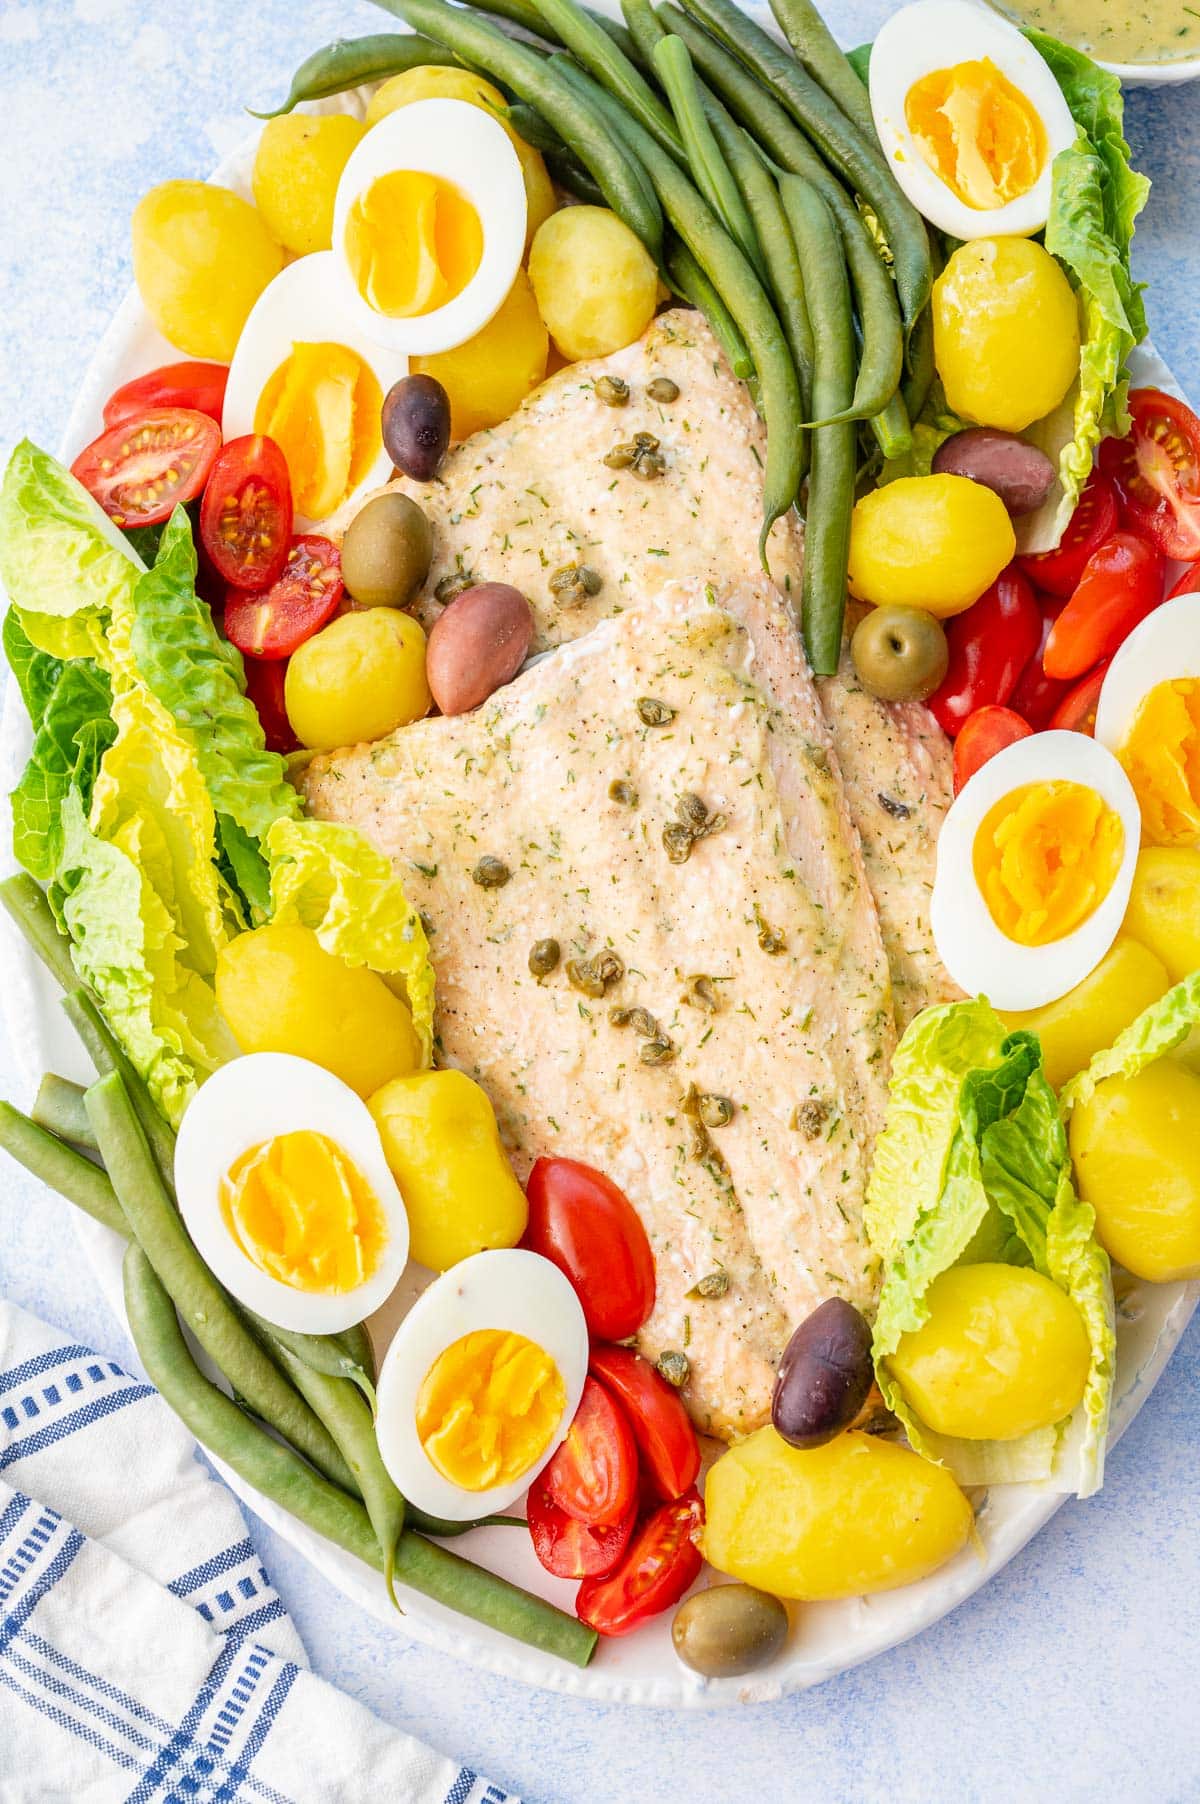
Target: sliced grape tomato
246	514
666	1440
593	1475
143	468
1095	519
1156	470
661	1562
199	386
584	1224
570	1549
273	622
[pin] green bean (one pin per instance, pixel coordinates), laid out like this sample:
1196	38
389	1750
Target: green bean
892	428
535	81
735	281
882	362
532	129
276	1471
643	28
709	169
526	15
775	235
445	1530
856	157
349	62
61	1167
919	379
825	60
690	281
26	902
58	1107
321	1353
612	69
157	1227
107	1054
337	1403
574	178
834	448
357	1342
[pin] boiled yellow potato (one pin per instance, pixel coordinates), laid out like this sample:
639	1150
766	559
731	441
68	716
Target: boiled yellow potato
297	168
1137	1162
1088	1018
441	1141
280	991
595	282
201	258
1003	1351
430	82
856	1515
358	679
1005	332
932	542
489	376
1164	907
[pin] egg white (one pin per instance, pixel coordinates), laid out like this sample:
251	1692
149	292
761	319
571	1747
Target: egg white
1163	648
511	1290
981	959
253	1099
464	145
937	34
304	305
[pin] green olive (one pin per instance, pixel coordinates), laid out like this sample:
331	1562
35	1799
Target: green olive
729	1629
900	654
387	551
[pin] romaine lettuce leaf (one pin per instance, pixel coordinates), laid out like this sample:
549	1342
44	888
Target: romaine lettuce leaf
198	678
61	557
328	878
36	672
1158	1030
74	730
974	1167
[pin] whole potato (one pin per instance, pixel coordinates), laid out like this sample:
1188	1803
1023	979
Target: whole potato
488	376
595	282
932	542
297	168
856	1515
1164	907
201	258
1088	1018
1137	1162
477	645
358	679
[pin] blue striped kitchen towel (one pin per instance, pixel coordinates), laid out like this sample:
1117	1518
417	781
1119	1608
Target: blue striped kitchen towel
144	1655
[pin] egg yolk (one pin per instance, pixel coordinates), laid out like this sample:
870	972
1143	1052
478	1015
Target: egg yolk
413	242
488	1407
1161	755
303	1212
1045	857
322	408
977	132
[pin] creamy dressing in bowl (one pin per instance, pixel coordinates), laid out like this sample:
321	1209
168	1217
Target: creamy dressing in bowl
1117	31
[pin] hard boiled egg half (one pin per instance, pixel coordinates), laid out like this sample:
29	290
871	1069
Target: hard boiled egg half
286	1193
429	225
1034	866
970	118
481	1383
306	374
1149	715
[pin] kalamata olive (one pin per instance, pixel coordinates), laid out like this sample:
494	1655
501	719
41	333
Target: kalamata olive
478	644
900	654
729	1629
1020	474
824	1375
387	551
416	426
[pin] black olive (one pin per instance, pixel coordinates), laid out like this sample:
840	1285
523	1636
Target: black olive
416	426
824	1375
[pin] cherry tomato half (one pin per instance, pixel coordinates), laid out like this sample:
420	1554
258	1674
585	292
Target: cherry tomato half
1077	710
661	1562
272	624
246	514
569	1549
1188	583
1157	472
666	1440
198	386
990	644
987	732
1122	582
140	470
593	1476
582	1223
1095	519
1036	695
264	686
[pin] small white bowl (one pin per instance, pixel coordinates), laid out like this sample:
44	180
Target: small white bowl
1133	75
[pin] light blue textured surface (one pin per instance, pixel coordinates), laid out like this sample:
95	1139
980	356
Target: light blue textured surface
1072	1675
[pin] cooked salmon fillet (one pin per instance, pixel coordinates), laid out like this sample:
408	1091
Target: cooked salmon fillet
519	503
749	943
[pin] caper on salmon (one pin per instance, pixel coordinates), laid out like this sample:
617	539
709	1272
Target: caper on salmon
574	584
387	551
663	390
416	426
613	391
900	654
544	957
729	1629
